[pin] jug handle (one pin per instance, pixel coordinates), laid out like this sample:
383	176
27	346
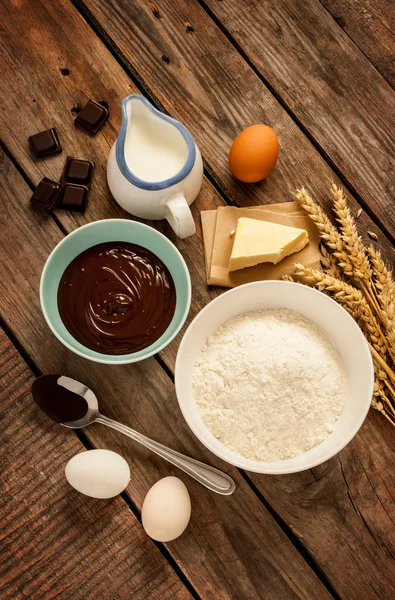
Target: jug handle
180	217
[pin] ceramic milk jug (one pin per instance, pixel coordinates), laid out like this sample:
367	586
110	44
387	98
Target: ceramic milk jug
155	169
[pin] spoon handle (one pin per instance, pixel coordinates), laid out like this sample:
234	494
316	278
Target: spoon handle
211	478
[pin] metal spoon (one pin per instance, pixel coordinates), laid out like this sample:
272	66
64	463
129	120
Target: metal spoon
211	478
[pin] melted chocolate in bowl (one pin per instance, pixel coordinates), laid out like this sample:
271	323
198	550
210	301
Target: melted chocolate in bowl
116	298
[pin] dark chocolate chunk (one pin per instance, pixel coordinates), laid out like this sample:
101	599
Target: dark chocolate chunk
46	193
73	197
92	116
77	171
45	143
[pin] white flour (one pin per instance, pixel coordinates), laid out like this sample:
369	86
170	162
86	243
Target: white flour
270	384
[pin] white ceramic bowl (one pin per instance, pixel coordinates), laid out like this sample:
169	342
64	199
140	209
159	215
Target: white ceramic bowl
315	306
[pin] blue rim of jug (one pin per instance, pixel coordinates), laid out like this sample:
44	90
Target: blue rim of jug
120	155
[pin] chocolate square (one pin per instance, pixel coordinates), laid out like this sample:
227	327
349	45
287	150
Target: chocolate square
92	116
77	171
46	193
73	197
45	143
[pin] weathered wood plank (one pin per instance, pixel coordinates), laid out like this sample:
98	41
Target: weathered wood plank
56	543
371	26
232	548
299	49
104	74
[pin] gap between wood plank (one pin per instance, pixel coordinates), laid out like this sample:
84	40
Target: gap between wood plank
132	506
89	446
291	536
123	62
354	43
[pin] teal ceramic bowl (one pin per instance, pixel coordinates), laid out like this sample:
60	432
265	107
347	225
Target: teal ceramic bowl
113	230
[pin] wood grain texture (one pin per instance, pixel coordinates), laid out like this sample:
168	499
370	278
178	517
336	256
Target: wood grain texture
328	84
244	538
233	548
371	26
56	543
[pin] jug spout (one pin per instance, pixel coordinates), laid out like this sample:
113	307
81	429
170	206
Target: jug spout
153	150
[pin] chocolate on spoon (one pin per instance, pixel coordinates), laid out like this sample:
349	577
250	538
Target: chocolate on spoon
74	405
57	402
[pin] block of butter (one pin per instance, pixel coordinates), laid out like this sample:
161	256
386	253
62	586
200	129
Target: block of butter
262	241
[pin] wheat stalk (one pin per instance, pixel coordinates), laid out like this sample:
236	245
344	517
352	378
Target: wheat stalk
367	292
378	405
382	362
390	326
329	263
354	246
385	285
383	277
349	296
378	392
352	241
328	232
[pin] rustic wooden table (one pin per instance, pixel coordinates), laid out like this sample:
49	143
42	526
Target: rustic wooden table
320	73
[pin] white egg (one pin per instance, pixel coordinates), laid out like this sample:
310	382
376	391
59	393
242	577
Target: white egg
98	473
166	509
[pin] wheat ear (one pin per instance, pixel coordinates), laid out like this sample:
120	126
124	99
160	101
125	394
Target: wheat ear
354	246
379	392
329	264
328	231
385	285
378	405
351	239
367	292
351	298
383	277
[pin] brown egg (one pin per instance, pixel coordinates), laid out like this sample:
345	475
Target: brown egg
254	153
